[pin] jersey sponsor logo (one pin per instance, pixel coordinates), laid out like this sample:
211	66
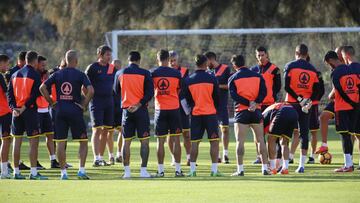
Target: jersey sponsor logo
350	85
66	90
304	79
163	86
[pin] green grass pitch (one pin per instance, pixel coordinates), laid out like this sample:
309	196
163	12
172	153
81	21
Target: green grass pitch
318	184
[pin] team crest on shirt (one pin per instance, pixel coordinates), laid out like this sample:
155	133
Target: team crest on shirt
66	90
350	85
304	79
163	86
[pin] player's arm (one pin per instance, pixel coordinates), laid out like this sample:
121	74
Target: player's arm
117	87
10	96
187	94
321	90
234	95
276	82
262	91
3	84
288	89
35	93
337	86
44	89
148	89
215	94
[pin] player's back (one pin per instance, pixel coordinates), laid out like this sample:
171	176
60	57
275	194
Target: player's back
167	86
201	86
303	76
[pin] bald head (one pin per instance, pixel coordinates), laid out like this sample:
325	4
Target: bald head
71	58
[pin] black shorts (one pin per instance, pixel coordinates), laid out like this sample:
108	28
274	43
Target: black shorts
167	122
102	112
117	119
346	121
201	123
46	124
286	119
185	120
314	118
222	116
5	124
330	108
74	121
137	122
247	117
27	122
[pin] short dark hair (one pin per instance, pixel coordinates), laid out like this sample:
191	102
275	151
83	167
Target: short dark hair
41	58
200	59
4	58
261	48
134	56
22	55
163	54
31	56
210	55
302	49
331	55
238	60
349	50
103	49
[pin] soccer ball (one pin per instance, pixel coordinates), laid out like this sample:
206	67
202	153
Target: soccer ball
325	158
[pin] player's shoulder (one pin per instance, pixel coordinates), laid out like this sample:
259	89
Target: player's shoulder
291	64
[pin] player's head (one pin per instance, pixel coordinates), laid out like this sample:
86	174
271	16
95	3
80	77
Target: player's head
212	59
71	58
201	61
348	53
41	63
134	57
31	58
332	59
262	55
21	58
162	57
238	61
104	53
173	59
4	63
338	51
117	64
301	51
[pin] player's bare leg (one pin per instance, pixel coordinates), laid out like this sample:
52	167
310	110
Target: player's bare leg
240	135
160	155
102	145
83	150
4	151
225	142
313	146
95	140
16	154
144	153
272	153
193	157
171	149
214	153
110	145
50	146
258	131
325	116
61	154
126	158
177	153
187	144
33	155
294	145
285	153
120	140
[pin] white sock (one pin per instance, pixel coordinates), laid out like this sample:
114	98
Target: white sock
240	168
111	155
188	156
219	156
63	172
214	167
302	161
4	168
118	154
348	160
160	168
324	144
33	171
225	152
312	155
285	164
127	169
52	157
82	169
16	170
291	156
192	166
101	158
143	170
272	164
172	159
264	167
177	167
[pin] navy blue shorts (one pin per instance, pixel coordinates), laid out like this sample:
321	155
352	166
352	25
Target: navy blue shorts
185	120
346	121
167	122
102	112
5	124
27	122
117	119
70	117
201	123
222	116
314	118
246	117
137	122
330	108
286	119
46	124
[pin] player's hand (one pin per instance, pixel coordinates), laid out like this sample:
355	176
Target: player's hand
307	106
53	104
134	108
16	112
81	106
252	106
